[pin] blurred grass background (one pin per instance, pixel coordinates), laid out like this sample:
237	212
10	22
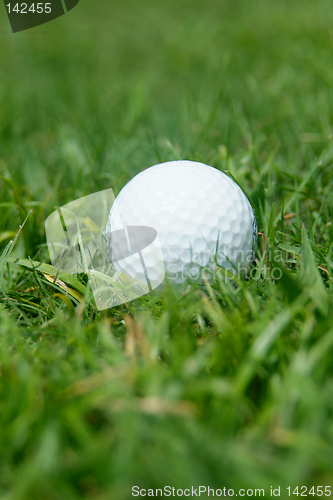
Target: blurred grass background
230	386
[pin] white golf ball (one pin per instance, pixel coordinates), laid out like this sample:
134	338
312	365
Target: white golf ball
203	219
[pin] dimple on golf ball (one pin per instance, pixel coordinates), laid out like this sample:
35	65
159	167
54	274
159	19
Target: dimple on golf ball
203	219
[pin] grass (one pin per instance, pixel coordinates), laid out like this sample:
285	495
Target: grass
229	385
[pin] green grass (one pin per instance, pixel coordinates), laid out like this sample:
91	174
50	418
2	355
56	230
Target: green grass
229	385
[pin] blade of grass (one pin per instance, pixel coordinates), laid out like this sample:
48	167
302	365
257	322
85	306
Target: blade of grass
4	258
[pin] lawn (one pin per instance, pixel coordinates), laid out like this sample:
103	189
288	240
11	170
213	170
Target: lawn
228	385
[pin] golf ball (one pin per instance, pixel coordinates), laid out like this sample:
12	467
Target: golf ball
203	219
